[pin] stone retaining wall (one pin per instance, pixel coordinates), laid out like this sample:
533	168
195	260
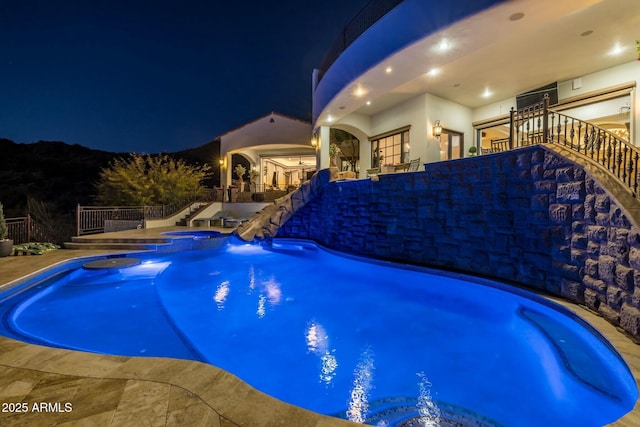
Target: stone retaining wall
528	216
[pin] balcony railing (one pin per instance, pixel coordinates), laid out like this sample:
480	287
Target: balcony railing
540	124
368	16
24	229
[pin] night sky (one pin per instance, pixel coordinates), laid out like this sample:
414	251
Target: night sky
151	76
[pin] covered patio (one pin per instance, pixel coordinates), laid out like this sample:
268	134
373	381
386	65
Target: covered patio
279	154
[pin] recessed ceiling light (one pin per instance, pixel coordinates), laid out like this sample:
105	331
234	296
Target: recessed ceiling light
388	70
433	72
329	118
444	45
487	93
516	16
360	92
586	33
616	50
368	102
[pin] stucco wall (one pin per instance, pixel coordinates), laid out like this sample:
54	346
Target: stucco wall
527	216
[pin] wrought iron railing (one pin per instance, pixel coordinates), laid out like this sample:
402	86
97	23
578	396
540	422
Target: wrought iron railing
368	16
24	229
92	219
540	124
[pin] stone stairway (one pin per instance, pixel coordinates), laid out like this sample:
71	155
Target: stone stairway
128	244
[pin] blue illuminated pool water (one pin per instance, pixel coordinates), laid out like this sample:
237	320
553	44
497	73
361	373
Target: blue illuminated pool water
346	337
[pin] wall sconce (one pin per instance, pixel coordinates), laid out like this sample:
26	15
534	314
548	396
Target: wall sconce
222	162
437	129
314	141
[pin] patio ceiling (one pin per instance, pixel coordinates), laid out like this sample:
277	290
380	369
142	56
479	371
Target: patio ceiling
271	135
506	50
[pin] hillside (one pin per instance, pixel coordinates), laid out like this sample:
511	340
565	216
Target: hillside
63	175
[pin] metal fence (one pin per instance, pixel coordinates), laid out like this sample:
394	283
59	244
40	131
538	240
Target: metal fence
92	219
368	16
540	124
24	229
98	219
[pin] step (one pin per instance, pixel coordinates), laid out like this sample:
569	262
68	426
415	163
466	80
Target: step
146	240
111	246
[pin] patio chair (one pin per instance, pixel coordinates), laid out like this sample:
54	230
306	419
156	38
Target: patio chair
414	165
501	144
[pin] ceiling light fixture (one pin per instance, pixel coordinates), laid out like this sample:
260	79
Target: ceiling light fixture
433	72
487	93
617	50
388	70
444	45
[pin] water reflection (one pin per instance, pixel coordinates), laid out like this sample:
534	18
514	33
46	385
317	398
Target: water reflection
222	291
261	306
269	290
362	385
428	410
318	343
274	293
252	278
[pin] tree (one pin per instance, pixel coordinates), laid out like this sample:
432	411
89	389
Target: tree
150	180
348	146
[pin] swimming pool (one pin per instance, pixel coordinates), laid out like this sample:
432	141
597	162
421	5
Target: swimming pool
342	336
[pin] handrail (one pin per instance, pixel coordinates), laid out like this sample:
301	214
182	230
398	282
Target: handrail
368	16
24	229
91	219
540	124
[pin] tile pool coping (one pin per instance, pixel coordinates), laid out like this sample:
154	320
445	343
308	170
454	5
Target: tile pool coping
116	390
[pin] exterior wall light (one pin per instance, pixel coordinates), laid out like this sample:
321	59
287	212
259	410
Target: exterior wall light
314	141
437	129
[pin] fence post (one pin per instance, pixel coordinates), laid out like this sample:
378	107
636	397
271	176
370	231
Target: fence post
545	118
78	220
29	227
511	126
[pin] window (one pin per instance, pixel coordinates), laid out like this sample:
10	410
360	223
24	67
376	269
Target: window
391	148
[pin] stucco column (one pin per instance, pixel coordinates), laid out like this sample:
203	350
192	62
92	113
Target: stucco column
227	170
323	144
365	157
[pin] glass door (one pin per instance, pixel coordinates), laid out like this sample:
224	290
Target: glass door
451	145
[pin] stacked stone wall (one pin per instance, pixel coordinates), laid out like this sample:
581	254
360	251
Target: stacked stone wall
527	216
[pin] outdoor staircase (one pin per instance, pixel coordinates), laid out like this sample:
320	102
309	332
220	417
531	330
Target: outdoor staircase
184	221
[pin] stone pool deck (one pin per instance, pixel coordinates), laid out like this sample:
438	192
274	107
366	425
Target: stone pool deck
123	391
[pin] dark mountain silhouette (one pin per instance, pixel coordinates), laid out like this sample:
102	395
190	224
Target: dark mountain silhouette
63	175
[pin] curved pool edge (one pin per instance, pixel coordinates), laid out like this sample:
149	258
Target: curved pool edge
166	391
160	391
107	388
